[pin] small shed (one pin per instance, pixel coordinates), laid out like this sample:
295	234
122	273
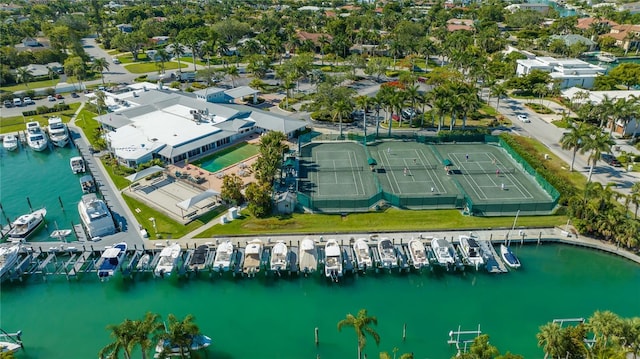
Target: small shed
285	202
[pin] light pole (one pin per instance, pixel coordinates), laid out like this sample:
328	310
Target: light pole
153	222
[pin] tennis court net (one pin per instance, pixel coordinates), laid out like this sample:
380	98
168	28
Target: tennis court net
371	168
489	172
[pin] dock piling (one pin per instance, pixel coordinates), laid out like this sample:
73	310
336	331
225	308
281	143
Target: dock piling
61	205
404	332
317	337
29	203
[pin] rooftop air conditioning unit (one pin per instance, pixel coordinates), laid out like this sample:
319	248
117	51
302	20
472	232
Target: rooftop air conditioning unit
193	112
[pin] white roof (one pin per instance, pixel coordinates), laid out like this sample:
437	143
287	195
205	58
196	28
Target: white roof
596	97
111	253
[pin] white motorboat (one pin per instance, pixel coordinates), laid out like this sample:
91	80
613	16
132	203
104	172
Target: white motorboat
8	258
77	164
333	260
111	260
443	251
362	253
36	139
60	234
10	142
252	257
278	259
308	256
222	261
58	132
168	260
606	57
199	258
165	348
96	216
471	251
10	342
418	254
509	258
143	262
27	224
388	257
87	184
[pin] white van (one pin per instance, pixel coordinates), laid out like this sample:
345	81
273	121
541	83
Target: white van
17	102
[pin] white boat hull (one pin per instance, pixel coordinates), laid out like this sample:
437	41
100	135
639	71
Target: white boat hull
278	260
418	254
308	256
8	258
10	142
333	260
222	260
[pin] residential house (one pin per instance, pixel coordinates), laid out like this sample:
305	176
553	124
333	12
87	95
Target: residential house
567	72
626	36
125	28
587	22
317	39
459	24
572	39
577	95
159	40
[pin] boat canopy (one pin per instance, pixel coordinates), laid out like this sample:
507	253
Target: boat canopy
111	252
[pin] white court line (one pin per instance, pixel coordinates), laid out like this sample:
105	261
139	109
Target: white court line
394	177
353	173
521	187
435	180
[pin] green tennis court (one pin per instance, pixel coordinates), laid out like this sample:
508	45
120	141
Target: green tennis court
227	157
482	178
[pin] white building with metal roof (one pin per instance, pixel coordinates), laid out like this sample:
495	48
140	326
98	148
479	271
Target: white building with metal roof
568	72
175	126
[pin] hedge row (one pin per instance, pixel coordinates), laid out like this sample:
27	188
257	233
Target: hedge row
41	110
538	163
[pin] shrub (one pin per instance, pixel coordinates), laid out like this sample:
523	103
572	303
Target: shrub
538	108
30	93
392	73
175	85
42	109
322	115
142	78
326	69
50	91
7	96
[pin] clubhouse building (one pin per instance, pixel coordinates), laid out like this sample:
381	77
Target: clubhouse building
146	122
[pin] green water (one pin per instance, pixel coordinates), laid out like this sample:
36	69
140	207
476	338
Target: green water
275	318
228	157
43	177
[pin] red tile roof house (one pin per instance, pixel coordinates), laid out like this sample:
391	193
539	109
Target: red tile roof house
313	37
459	24
626	36
585	22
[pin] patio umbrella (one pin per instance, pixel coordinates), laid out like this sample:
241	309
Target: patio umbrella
372	161
447	162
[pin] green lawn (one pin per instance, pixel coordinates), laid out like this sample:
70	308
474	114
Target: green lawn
141	68
17	123
390	220
86	121
189	60
32	85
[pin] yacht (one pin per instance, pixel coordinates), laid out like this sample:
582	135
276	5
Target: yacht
333	260
509	258
308	256
36	139
8	258
168	260
222	261
165	348
471	251
199	258
87	184
10	142
111	260
363	254
96	216
444	252
278	260
252	257
27	224
388	257
77	164
10	342
606	57
58	132
418	254
143	262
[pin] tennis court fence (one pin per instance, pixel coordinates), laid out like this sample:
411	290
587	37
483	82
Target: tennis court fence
377	168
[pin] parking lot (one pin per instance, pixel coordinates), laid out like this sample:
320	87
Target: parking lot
39	101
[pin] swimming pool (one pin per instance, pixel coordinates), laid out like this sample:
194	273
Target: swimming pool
227	157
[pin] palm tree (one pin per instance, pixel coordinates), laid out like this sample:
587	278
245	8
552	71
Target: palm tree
550	339
23	74
124	335
147	331
342	107
498	90
177	51
635	198
598	143
163	56
363	103
604	325
100	64
361	324
233	73
574	140
181	332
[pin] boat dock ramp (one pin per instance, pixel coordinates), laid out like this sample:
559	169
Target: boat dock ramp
72	262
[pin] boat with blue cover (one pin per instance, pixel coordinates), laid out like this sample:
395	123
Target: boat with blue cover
509	258
111	260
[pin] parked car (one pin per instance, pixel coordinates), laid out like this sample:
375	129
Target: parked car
116	60
27	101
610	159
74	95
59	96
409	113
17	102
8	104
51	98
524	118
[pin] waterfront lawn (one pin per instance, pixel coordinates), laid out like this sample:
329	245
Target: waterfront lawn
389	220
17	123
167	228
86	121
118	179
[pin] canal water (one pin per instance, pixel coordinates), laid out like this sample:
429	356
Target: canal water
276	317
